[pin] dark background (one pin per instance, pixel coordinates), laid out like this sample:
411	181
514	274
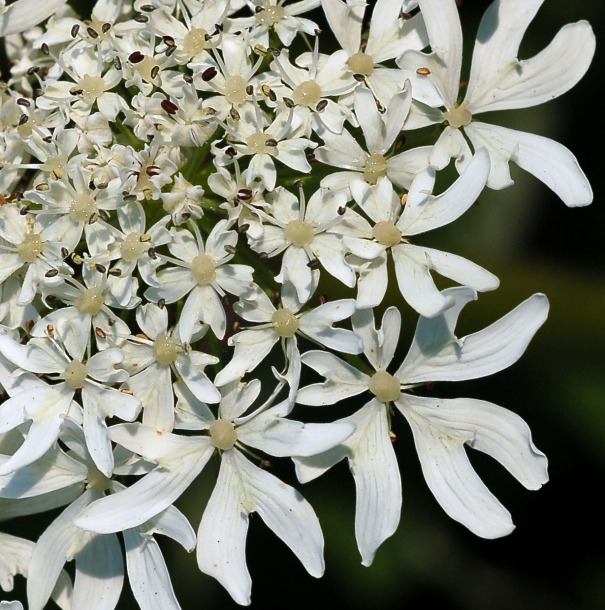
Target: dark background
554	558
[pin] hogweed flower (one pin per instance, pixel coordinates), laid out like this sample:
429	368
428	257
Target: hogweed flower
177	184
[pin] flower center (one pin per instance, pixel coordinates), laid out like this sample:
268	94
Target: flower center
82	208
165	350
386	233
235	90
307	93
203	269
147	68
270	15
285	322
222	434
90	301
30	248
384	386
75	374
195	41
92	87
133	248
458	117
361	63
257	143
299	233
375	167
54	165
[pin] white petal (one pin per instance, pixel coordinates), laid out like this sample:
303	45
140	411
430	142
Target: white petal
379	345
51	552
151	494
441	427
147	573
317	325
427	213
544	158
412	268
378	485
251	348
445	35
221	550
534	81
345	22
99	573
433	357
342	380
174	524
285	512
25	14
282	437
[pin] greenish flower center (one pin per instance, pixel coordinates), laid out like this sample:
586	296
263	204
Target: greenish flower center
222	434
285	322
384	386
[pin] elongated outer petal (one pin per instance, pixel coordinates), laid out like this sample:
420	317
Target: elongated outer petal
317	324
153	387
526	83
342	380
46	406
373	465
171	522
547	160
432	212
501	31
442	427
372	283
15	557
31	357
147	572
99	573
370	120
379	345
412	269
445	35
52	550
285	512
25	14
282	437
345	22
9	509
221	549
477	355
53	471
378	485
251	348
180	460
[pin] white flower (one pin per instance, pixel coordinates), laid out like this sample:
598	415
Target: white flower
380	132
500	81
150	362
241	489
394	224
254	344
441	427
203	272
304	232
47	406
389	36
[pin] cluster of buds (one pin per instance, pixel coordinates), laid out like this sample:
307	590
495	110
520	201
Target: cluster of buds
177	180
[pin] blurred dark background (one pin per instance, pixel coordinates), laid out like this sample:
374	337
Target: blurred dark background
554	559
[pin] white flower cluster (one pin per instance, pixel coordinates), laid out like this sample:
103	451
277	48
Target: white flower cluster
176	180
